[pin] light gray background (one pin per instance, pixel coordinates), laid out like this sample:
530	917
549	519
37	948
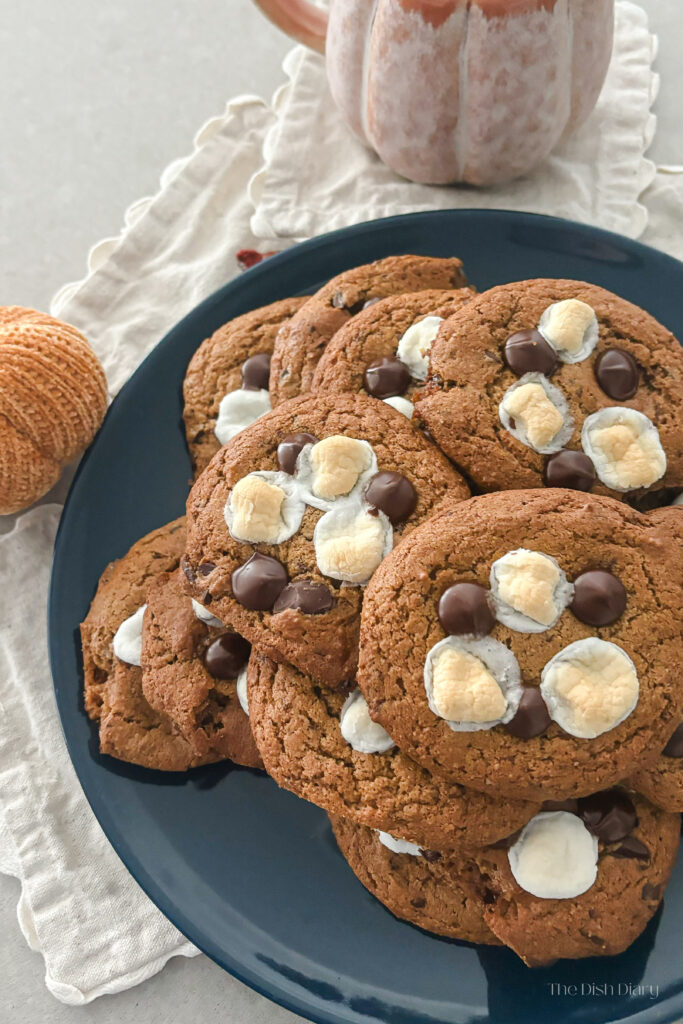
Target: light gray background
95	100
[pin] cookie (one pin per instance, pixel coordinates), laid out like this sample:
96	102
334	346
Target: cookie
291	519
321	745
301	342
580	881
384	350
558	383
129	728
437	892
192	670
662	782
226	384
529	643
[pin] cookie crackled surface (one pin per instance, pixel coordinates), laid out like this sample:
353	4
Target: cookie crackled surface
295	591
569	705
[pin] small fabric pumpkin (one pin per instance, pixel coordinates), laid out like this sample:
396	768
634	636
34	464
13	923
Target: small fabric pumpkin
53	397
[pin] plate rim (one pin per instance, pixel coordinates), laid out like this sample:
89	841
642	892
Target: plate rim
665	1012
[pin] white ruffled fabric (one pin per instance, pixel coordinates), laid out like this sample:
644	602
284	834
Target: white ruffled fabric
97	931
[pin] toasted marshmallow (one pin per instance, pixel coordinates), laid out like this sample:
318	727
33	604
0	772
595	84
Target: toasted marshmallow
530	590
333	469
555	857
239	409
472	684
264	507
401	404
351	541
204	615
590	687
571	328
625	448
415	346
127	643
398	845
359	730
537	414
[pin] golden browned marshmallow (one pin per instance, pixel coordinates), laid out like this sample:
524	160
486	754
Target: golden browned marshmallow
571	328
337	463
256	506
463	689
350	543
530	405
625	448
530	590
590	687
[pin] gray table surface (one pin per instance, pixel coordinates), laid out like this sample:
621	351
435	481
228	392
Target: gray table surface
95	100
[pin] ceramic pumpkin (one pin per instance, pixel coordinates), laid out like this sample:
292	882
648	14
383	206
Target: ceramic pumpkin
473	91
53	397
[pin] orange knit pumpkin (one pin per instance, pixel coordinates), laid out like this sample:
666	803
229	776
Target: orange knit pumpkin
53	397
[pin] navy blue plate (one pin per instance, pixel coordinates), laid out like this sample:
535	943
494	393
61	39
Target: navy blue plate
250	873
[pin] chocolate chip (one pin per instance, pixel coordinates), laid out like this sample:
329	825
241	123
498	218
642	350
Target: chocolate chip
255	372
258	583
304	596
529	352
188	569
569	469
674	747
386	378
531	717
289	448
393	494
418	902
632	849
465	608
226	656
206	568
570	805
651	892
431	856
617	373
599	598
609	815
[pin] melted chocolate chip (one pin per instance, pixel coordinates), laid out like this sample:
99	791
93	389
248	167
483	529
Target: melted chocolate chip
431	856
651	892
258	583
226	656
529	352
531	717
418	902
632	849
386	378
599	598
674	747
393	494
569	469
289	448
206	568
255	372
465	609
306	597
609	815
617	373
188	569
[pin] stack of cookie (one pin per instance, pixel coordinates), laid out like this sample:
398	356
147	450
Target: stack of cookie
484	692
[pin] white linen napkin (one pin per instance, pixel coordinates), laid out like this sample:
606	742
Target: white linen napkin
95	928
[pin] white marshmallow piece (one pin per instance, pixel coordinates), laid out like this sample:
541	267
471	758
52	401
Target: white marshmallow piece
555	857
264	507
239	409
242	690
472	684
416	344
530	590
334	469
359	730
127	643
204	615
571	328
540	414
678	500
625	448
350	542
590	687
398	845
401	404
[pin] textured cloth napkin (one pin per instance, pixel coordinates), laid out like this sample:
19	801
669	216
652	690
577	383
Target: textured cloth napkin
79	907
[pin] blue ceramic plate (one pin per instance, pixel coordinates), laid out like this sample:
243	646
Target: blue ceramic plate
249	873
